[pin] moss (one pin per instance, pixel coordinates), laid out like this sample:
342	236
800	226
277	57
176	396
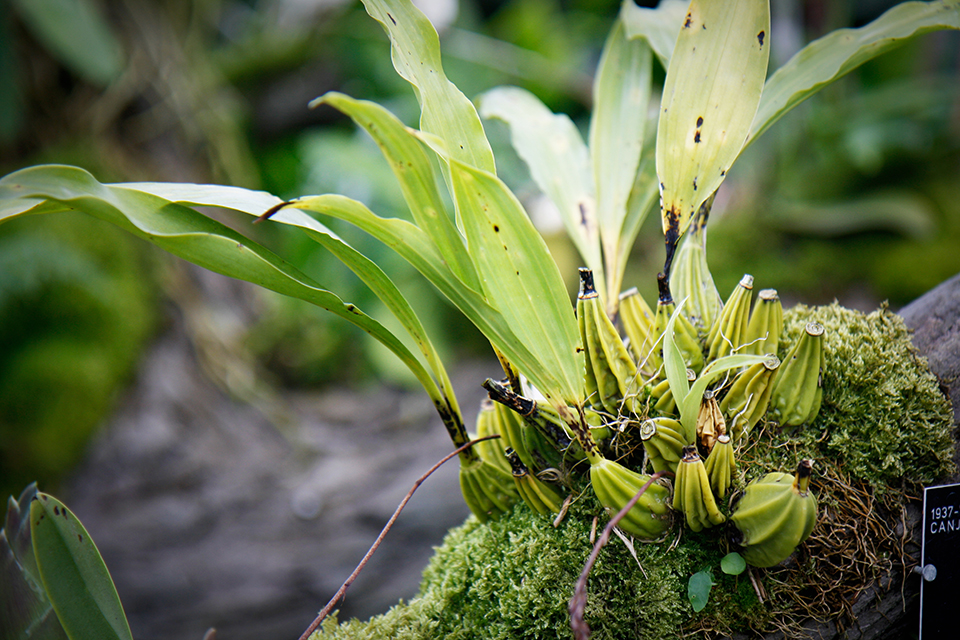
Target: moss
883	427
883	418
524	594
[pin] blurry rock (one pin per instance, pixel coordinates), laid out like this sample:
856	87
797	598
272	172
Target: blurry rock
210	515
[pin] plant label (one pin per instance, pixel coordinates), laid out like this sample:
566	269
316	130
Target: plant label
940	565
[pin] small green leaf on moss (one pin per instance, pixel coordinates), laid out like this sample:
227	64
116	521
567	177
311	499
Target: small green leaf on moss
733	564
698	590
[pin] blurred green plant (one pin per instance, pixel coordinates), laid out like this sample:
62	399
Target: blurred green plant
54	582
852	189
76	307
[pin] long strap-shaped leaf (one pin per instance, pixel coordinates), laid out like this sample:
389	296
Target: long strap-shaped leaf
641	201
384	288
559	163
412	244
620	96
416	176
369	272
448	115
831	57
521	280
710	96
186	233
445	111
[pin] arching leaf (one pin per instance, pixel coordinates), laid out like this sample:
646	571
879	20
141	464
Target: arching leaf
558	159
188	234
445	111
621	94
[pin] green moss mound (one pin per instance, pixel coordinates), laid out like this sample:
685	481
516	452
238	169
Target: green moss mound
883	419
884	428
524	594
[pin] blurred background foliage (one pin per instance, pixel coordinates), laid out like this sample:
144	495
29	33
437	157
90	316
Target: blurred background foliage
855	195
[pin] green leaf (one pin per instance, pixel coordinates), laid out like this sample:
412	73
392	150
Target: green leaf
76	33
521	280
412	244
642	198
445	111
74	575
415	173
188	234
710	96
208	195
621	94
733	564
831	57
388	293
559	163
698	590
659	26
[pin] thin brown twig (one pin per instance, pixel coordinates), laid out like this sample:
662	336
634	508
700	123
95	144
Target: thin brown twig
376	544
581	630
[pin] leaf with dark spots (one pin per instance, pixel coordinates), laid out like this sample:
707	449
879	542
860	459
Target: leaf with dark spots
392	19
760	37
688	21
721	49
673	217
671	238
74	577
496	229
